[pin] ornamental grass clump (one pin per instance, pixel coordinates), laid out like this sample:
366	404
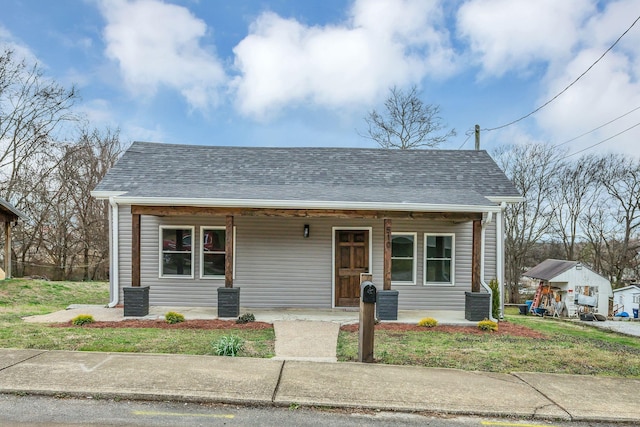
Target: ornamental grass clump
246	318
172	318
228	345
428	322
487	325
82	319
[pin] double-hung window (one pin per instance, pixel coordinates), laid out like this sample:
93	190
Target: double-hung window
212	260
439	259
403	258
176	255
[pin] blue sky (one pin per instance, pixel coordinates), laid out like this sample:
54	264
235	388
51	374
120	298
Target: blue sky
305	73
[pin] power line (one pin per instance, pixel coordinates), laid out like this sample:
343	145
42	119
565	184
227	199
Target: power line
469	133
601	142
599	127
566	88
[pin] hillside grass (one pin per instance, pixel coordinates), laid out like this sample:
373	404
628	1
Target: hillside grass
23	297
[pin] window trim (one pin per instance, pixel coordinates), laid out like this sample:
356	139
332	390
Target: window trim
415	257
201	252
453	260
161	252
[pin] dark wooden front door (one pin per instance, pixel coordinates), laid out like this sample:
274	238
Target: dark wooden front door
352	258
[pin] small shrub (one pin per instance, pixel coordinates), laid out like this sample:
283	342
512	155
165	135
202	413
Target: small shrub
495	298
487	325
172	318
82	319
228	345
246	318
428	322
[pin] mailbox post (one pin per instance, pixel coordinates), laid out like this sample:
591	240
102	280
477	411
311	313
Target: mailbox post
368	296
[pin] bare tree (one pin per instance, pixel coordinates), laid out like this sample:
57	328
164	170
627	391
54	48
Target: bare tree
85	164
576	188
407	123
31	108
617	232
533	170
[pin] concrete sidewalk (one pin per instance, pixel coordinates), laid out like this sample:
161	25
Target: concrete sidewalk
343	385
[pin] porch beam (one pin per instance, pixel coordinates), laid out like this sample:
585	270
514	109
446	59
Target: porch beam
302	213
228	252
386	284
7	249
476	250
135	250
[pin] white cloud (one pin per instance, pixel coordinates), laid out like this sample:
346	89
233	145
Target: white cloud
610	89
385	42
20	50
158	44
506	35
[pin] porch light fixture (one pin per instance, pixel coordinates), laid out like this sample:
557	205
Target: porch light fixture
305	232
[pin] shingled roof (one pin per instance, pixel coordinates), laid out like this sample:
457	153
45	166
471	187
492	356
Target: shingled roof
549	269
150	171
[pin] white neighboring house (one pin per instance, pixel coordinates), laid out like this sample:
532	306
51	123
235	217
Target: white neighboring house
626	299
570	280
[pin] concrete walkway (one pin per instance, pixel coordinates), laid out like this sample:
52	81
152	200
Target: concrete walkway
250	381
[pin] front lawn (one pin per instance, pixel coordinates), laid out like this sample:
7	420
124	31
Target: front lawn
21	297
564	347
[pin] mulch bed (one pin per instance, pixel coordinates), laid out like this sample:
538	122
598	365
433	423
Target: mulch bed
504	328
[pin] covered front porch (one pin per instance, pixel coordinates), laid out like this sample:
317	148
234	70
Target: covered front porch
341	316
307	246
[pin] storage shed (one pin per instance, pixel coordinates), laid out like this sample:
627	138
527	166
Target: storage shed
570	288
626	300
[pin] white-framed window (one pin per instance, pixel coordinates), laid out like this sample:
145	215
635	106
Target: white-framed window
176	251
439	258
212	251
403	258
636	298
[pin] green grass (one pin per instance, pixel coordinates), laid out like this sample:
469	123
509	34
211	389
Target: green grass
20	297
567	347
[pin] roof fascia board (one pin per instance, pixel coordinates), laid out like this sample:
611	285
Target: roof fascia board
101	195
304	204
506	199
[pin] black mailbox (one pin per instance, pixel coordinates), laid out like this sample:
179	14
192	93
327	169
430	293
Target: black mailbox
368	292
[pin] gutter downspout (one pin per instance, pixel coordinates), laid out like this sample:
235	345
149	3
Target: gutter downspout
114	272
482	263
500	254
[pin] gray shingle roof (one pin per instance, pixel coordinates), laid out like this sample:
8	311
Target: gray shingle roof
549	269
155	170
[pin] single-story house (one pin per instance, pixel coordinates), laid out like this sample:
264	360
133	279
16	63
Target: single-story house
626	299
9	214
295	227
568	288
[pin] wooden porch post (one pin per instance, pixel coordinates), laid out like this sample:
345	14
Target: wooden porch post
386	285
135	250
7	250
228	253
476	256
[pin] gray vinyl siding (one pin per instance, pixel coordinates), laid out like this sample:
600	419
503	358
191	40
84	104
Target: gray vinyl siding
275	266
490	254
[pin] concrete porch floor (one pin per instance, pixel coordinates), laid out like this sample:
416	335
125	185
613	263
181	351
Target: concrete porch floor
342	316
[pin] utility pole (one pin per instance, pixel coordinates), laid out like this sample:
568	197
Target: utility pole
477	137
